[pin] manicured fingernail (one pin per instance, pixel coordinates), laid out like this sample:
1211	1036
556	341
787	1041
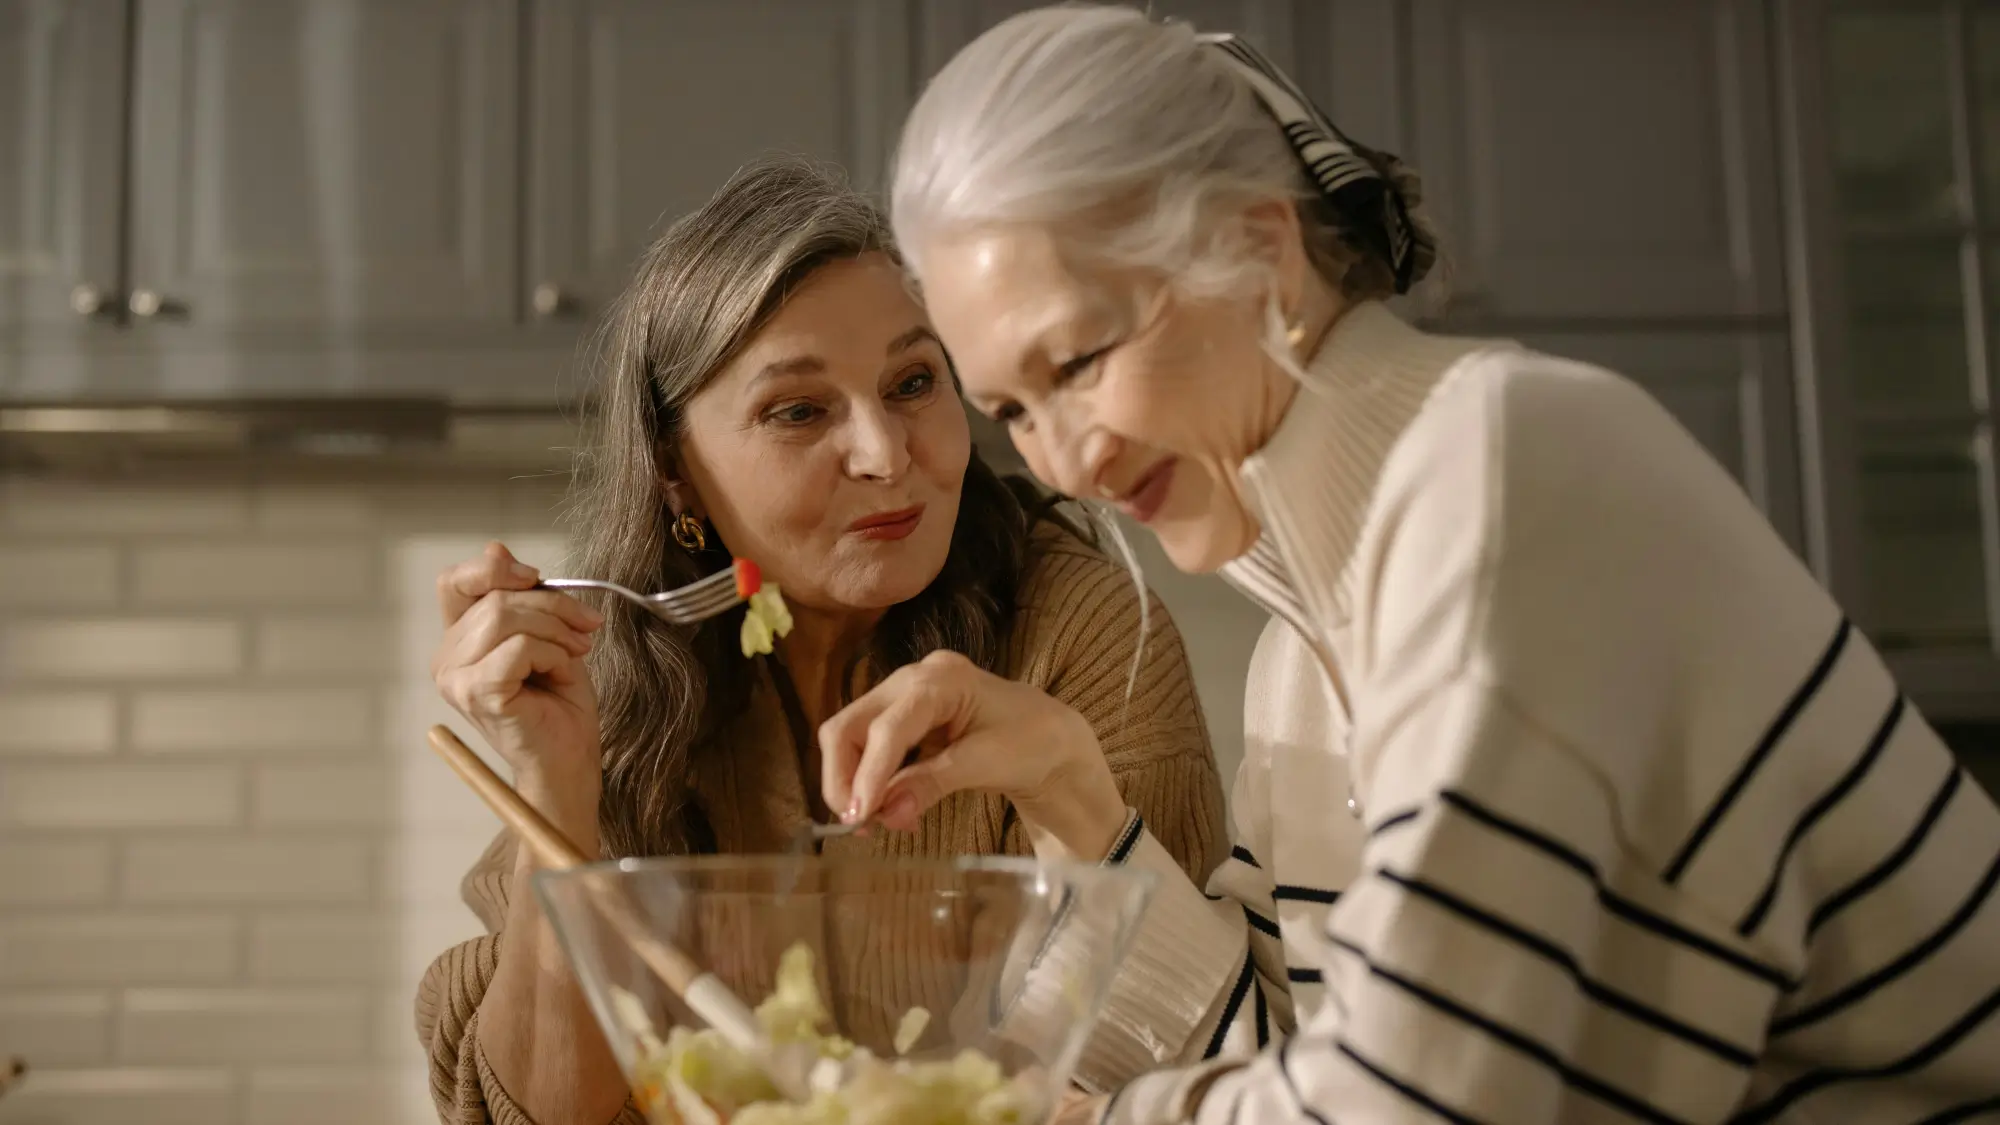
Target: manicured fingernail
592	616
853	812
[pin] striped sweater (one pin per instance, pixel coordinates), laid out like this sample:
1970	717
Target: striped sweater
1627	823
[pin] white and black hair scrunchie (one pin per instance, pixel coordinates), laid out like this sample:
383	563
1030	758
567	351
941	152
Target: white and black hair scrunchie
1371	206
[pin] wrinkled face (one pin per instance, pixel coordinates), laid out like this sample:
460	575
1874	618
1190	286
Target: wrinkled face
1112	387
832	449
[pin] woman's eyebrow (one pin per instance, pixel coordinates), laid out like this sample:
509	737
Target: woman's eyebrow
912	338
790	365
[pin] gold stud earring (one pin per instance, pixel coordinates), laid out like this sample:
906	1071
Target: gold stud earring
1295	334
689	534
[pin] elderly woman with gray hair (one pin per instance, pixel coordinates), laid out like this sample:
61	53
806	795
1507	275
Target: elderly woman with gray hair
1573	797
771	391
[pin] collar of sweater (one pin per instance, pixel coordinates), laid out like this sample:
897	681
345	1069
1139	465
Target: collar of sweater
1311	484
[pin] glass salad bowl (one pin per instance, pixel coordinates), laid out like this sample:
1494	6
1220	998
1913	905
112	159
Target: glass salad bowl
926	991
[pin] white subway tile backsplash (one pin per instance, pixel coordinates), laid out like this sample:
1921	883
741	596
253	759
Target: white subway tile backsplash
110	650
254	721
254	573
311	509
122	1096
535	506
395	1025
424	867
117	948
336	1095
432	507
425	932
120	795
332	794
58	722
218	883
65	507
247	869
58	577
56	1028
54	872
249	1025
323	948
346	647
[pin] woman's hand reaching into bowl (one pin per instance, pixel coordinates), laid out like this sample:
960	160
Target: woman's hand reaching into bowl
972	730
512	663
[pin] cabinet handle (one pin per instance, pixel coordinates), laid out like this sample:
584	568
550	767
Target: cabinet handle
549	301
148	304
87	300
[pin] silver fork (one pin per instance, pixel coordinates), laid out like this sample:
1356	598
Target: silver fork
802	844
811	834
692	603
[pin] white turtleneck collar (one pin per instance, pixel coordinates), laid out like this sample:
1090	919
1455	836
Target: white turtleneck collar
1309	486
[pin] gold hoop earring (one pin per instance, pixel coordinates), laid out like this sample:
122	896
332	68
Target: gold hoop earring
689	534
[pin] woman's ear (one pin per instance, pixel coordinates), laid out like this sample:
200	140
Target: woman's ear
675	487
681	498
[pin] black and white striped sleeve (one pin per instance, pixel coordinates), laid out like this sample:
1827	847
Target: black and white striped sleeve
1498	961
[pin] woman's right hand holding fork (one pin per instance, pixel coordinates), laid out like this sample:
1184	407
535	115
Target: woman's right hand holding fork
512	662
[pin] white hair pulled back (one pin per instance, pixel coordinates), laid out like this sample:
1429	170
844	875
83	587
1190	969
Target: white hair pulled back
1130	136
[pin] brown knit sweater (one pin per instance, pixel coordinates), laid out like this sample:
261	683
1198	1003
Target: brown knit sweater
1074	637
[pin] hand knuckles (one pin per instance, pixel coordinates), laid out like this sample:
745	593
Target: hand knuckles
833	733
457	691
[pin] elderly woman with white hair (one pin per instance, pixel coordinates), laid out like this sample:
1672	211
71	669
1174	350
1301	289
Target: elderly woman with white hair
1573	797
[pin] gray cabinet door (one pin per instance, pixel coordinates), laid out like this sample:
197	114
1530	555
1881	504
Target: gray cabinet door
62	161
1274	25
326	165
1600	161
641	109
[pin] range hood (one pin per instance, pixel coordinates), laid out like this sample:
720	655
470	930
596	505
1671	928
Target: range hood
343	430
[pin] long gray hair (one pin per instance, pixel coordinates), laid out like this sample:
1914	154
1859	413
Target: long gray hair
701	292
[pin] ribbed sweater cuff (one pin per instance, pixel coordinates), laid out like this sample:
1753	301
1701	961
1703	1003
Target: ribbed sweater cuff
1184	956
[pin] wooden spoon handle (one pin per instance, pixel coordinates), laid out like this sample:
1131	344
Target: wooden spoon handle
549	844
554	850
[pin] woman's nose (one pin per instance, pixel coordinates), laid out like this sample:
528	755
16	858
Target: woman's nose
878	447
1097	451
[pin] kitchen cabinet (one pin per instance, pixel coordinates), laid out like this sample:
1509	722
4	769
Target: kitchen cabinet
322	166
62	165
394	197
639	110
1277	27
1893	142
1605	186
1599	162
263	198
